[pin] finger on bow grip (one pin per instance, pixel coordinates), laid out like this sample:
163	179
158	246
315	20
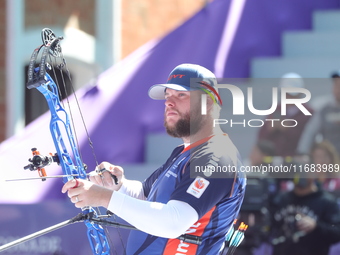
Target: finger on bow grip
77	184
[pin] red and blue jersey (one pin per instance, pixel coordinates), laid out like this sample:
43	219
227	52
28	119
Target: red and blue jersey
190	175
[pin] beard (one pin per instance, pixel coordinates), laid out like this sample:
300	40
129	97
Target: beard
188	124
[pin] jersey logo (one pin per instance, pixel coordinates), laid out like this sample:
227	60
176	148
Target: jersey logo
198	186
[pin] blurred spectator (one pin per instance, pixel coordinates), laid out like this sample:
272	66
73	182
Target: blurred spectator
325	154
325	123
261	150
285	139
305	220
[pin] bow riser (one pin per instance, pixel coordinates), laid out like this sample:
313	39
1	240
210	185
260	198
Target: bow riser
96	234
60	122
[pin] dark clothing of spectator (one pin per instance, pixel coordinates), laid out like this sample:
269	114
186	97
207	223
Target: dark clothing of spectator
320	206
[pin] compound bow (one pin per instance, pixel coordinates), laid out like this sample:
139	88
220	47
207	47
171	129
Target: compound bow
72	165
60	124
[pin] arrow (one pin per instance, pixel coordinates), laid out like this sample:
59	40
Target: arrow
44	177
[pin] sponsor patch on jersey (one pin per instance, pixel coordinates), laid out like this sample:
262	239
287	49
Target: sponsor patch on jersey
198	186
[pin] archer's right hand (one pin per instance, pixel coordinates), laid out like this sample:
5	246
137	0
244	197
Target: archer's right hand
108	175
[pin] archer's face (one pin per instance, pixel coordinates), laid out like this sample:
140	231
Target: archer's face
177	112
177	104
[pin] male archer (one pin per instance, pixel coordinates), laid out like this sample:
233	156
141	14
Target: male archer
188	193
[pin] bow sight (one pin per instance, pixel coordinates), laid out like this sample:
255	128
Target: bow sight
38	162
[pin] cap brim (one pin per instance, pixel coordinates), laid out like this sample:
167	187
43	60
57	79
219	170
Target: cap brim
158	91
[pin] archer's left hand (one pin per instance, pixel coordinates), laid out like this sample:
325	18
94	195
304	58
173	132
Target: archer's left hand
85	193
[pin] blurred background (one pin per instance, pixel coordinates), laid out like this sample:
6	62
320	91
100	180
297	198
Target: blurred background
115	50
